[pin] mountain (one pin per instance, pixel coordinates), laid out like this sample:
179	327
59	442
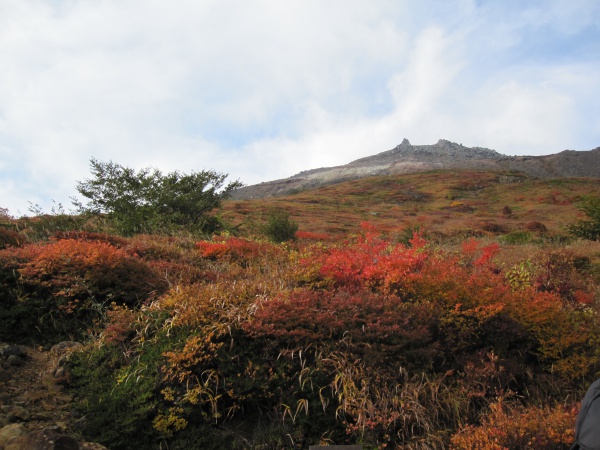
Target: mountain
443	155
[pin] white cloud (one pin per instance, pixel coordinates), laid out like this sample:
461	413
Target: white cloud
265	89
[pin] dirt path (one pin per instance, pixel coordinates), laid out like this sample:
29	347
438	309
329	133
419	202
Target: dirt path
32	394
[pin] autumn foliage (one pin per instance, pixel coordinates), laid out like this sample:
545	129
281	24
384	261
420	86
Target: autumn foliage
384	339
74	280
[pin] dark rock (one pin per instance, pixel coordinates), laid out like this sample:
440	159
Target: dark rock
12	350
42	440
15	360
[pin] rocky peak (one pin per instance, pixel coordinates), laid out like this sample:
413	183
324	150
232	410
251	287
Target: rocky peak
405	145
441	150
443	155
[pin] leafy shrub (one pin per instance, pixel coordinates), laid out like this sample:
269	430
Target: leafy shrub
62	288
367	340
280	227
147	200
236	249
517	238
77	270
11	238
117	390
558	272
212	250
387	326
535	226
115	241
517	427
494	227
588	229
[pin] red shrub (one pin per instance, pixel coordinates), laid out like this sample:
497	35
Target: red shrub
310	236
212	250
557	273
469	293
115	241
248	250
384	322
74	269
236	248
371	261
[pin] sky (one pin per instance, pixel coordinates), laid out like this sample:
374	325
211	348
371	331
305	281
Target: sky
263	89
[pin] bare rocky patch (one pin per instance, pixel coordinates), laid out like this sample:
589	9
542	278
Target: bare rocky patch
35	411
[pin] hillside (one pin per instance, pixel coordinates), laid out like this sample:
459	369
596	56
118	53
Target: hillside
448	309
447	203
444	155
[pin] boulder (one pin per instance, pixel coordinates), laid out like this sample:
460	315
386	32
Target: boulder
15	360
65	347
42	440
10	432
12	350
91	446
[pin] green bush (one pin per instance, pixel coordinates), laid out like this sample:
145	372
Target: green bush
280	227
517	238
150	201
588	229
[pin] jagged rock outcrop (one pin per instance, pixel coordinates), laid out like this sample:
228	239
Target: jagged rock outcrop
408	158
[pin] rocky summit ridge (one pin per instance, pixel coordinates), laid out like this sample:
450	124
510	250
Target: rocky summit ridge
443	155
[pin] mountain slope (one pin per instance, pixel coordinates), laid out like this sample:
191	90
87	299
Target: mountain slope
408	158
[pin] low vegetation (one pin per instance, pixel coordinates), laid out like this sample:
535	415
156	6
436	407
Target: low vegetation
416	328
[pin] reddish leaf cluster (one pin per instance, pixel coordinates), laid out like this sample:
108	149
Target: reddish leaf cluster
235	248
310	236
76	269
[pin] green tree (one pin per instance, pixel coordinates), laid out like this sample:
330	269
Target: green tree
280	227
588	229
148	200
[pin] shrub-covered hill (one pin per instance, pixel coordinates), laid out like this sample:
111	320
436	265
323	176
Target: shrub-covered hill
446	204
393	337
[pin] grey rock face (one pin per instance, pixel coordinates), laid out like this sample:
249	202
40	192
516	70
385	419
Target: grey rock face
443	155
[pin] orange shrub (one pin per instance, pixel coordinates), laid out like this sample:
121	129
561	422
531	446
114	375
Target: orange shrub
310	236
236	248
115	241
476	305
212	250
78	270
520	428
